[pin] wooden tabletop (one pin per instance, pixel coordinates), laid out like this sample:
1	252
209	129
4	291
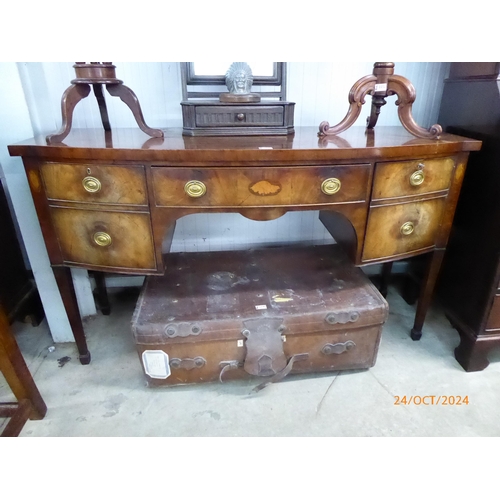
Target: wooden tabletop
134	145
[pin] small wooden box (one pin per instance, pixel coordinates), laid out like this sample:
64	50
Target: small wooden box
215	118
227	315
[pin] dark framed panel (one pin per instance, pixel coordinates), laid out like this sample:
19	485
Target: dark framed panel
198	79
190	78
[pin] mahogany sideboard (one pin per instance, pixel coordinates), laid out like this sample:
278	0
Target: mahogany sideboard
109	201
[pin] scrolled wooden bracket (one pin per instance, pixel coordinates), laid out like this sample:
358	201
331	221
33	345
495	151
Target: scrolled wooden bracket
381	84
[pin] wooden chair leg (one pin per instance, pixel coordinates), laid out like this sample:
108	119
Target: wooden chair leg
71	97
16	372
426	290
68	295
18	413
130	99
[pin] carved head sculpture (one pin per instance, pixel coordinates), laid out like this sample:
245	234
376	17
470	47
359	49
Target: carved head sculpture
239	78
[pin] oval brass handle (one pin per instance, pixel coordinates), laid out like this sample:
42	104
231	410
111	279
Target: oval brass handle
195	189
102	239
331	186
417	178
91	184
407	228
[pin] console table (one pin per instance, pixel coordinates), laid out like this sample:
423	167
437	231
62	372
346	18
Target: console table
109	201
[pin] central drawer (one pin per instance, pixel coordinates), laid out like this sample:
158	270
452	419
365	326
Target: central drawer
246	187
216	116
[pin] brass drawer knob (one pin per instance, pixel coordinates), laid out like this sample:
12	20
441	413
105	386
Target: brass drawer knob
330	186
91	184
102	239
195	189
417	178
240	117
407	228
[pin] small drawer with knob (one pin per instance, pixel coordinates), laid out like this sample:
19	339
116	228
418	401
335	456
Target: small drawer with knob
112	239
90	183
237	115
245	187
414	177
403	228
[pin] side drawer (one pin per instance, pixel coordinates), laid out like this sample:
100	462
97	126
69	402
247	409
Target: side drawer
406	178
108	239
493	322
403	228
233	187
124	185
216	116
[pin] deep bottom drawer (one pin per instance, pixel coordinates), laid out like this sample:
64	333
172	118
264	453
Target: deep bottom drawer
108	239
493	322
191	363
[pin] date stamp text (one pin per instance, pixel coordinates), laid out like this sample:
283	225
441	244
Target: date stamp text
431	400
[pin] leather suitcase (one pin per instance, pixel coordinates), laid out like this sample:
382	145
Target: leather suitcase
218	316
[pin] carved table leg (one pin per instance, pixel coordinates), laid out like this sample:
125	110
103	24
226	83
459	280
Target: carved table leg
130	99
71	97
101	102
101	293
16	372
65	284
385	278
428	283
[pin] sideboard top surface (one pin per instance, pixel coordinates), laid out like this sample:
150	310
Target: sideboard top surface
304	145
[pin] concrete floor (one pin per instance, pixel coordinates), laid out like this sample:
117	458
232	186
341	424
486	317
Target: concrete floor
109	397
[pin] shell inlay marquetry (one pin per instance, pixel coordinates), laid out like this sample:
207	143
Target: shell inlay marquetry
265	188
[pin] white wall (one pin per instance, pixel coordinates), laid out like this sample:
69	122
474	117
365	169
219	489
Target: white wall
319	90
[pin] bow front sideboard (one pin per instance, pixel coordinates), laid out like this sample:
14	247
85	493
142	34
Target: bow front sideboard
109	201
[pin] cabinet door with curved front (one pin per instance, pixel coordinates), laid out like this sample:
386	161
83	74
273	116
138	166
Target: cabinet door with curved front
403	229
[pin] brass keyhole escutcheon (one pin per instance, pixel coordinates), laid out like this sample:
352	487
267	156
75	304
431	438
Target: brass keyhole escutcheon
102	239
417	178
330	186
91	184
195	189
407	228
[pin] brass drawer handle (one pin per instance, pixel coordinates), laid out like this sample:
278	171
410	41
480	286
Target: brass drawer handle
195	189
417	178
407	228
91	184
240	117
102	239
330	186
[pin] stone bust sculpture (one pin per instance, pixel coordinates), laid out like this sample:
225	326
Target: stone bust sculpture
239	81
239	78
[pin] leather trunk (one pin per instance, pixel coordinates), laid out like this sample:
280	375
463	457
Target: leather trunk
263	313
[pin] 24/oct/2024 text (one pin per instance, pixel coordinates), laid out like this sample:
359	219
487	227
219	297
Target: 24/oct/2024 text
431	400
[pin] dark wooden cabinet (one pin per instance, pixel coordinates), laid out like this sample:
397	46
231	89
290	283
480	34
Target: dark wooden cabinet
18	294
469	285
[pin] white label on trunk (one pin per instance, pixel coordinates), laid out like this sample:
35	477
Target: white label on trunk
156	364
263	306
